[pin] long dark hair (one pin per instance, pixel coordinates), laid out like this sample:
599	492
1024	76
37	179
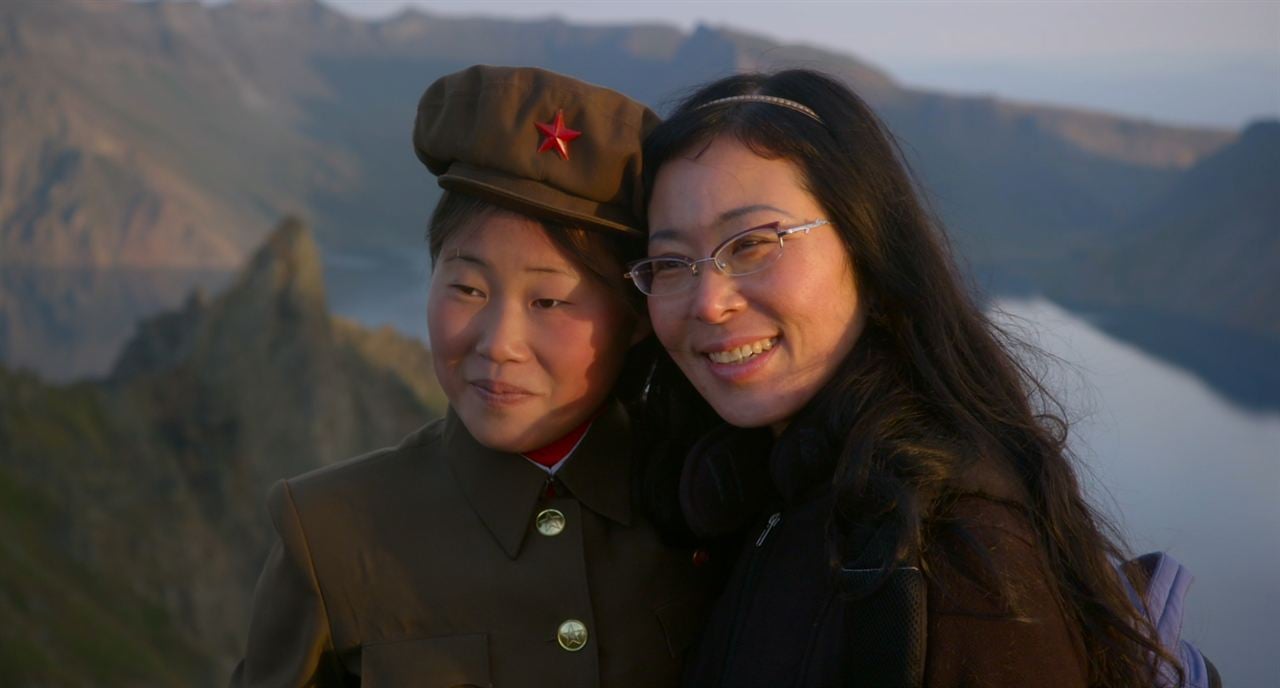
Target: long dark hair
932	389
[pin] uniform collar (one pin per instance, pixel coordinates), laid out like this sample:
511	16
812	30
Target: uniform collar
599	471
503	488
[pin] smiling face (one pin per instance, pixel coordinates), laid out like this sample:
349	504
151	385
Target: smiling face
758	347
526	345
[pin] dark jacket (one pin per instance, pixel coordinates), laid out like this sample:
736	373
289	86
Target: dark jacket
424	565
783	619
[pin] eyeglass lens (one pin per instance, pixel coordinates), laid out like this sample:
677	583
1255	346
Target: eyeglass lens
745	254
749	252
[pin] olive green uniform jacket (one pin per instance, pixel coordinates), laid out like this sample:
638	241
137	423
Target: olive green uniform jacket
424	565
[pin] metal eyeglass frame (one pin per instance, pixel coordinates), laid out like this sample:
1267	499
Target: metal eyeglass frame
692	263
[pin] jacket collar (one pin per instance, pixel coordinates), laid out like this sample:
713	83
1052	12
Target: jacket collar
599	471
725	481
503	489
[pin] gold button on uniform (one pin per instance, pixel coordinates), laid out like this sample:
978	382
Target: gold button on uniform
572	635
550	522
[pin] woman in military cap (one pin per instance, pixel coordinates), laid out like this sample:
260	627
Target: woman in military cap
497	546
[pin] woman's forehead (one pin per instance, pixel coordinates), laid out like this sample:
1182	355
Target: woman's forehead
507	241
723	188
730	220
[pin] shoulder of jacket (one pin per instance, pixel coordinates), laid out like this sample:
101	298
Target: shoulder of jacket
366	473
992	562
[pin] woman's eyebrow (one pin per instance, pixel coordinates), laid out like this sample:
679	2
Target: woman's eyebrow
747	210
550	269
476	260
664	235
726	216
466	258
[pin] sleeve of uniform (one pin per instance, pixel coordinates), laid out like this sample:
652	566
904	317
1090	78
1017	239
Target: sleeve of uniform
290	642
973	642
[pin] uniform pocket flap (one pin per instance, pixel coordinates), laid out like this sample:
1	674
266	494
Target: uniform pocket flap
682	621
450	661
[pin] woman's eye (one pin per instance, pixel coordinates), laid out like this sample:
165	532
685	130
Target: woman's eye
749	243
669	265
544	304
467	291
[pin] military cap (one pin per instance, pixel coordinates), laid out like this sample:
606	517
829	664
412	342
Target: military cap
537	142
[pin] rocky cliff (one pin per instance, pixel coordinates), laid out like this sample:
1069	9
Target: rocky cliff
133	529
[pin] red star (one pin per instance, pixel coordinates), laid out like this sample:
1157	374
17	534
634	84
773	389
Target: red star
558	136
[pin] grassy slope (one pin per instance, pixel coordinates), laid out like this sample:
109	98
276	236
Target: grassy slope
65	623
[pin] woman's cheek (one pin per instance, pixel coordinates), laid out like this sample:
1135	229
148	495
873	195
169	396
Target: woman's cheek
592	343
446	324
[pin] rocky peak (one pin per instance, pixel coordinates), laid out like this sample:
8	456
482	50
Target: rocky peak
1262	129
279	295
309	12
1261	143
706	51
162	342
287	269
309	5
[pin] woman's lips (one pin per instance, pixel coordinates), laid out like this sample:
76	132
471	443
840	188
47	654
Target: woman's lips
495	393
738	360
739	353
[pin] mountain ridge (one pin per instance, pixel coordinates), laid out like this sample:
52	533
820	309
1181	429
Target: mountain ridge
262	65
1207	249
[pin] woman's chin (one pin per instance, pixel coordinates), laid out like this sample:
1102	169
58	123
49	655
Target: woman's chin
751	399
751	409
506	432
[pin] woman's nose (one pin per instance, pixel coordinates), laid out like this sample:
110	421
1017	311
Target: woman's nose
715	296
503	336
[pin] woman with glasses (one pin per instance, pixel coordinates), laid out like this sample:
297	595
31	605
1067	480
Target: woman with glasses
893	481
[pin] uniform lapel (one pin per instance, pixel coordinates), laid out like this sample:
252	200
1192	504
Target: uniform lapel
598	473
501	488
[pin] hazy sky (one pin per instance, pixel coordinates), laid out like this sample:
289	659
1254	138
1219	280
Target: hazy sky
1214	63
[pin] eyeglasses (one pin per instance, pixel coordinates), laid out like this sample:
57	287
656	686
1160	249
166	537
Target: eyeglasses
743	253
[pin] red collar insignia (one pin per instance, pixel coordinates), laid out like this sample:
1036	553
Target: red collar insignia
557	136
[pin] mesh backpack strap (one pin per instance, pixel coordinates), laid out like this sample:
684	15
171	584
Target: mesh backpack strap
885	626
1163	599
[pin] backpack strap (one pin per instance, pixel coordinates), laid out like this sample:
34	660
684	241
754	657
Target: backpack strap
885	619
1164	602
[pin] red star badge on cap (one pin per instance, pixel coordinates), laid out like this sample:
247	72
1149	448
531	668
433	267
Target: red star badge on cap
557	136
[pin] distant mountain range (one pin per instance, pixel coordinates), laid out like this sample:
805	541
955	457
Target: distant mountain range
131	521
1208	248
170	135
1194	275
191	123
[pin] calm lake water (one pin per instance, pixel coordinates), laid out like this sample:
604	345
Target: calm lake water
1182	470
